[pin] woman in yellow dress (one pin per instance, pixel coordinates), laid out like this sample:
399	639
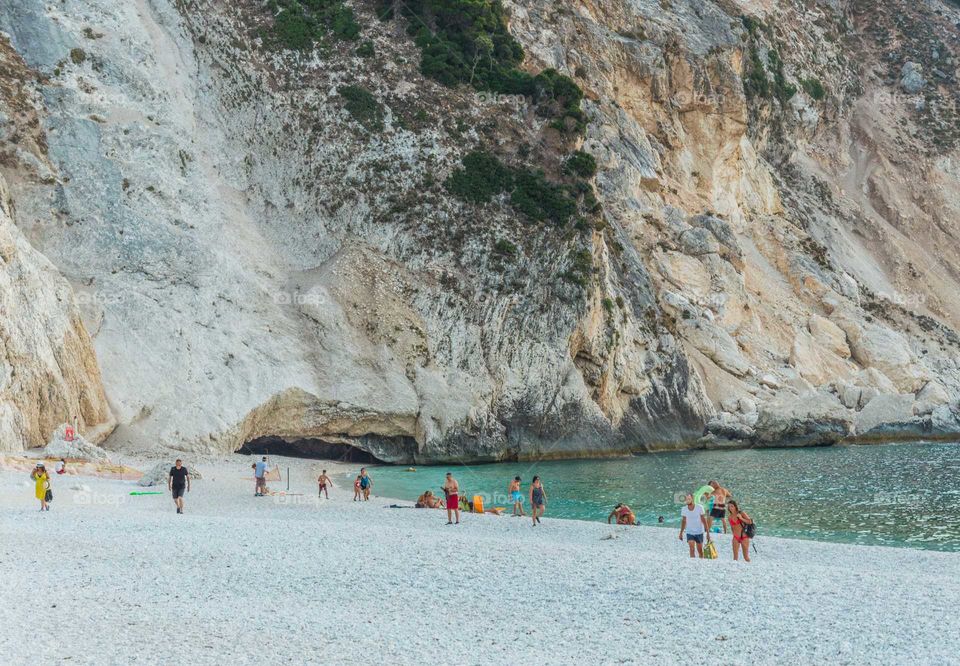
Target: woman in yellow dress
42	481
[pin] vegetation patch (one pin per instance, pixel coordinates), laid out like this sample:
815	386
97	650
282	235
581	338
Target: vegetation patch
814	89
467	41
363	106
764	81
78	56
540	200
483	176
581	164
580	267
505	248
298	25
366	50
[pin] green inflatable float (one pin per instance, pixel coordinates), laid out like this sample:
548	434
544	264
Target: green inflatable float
698	495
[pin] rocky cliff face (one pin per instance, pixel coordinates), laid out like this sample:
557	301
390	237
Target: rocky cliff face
263	245
48	370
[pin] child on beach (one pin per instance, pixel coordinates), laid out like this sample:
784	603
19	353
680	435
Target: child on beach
739	522
366	484
516	496
538	500
323	481
693	525
356	489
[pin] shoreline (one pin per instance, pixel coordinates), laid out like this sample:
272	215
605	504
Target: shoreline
342	472
326	580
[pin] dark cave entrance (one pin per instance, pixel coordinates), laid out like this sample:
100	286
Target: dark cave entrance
315	449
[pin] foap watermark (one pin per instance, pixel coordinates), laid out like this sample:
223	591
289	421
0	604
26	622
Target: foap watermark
97	498
101	299
296	499
492	98
313	297
906	300
685	99
897	498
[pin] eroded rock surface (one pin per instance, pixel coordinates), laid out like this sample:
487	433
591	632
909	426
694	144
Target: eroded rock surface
252	261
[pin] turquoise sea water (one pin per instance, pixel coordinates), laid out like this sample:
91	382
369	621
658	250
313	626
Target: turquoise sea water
896	495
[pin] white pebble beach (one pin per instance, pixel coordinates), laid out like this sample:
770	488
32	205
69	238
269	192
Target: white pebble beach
110	578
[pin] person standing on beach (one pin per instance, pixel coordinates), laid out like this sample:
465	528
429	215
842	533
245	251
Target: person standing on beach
323	481
538	500
516	496
719	510
366	484
739	522
693	525
356	489
178	482
260	475
41	481
451	489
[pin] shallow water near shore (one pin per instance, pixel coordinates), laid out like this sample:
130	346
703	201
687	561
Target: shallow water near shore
893	494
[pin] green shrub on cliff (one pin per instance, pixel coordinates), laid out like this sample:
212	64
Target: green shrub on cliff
483	176
755	82
467	41
814	88
540	200
363	106
298	26
581	164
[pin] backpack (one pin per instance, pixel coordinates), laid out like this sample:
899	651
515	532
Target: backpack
750	530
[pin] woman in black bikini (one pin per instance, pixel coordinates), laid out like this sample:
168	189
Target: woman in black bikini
538	499
738	526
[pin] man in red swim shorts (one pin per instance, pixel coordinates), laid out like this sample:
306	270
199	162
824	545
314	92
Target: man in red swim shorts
452	490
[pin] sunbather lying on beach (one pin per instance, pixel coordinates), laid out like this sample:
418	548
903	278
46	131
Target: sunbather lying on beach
624	515
429	501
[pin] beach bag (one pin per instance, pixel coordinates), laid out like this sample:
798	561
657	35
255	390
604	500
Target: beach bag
48	496
709	551
750	530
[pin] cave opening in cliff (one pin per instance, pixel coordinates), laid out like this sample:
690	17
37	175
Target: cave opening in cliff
312	448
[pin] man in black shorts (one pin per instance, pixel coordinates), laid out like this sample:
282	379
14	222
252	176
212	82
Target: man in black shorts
719	510
178	482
